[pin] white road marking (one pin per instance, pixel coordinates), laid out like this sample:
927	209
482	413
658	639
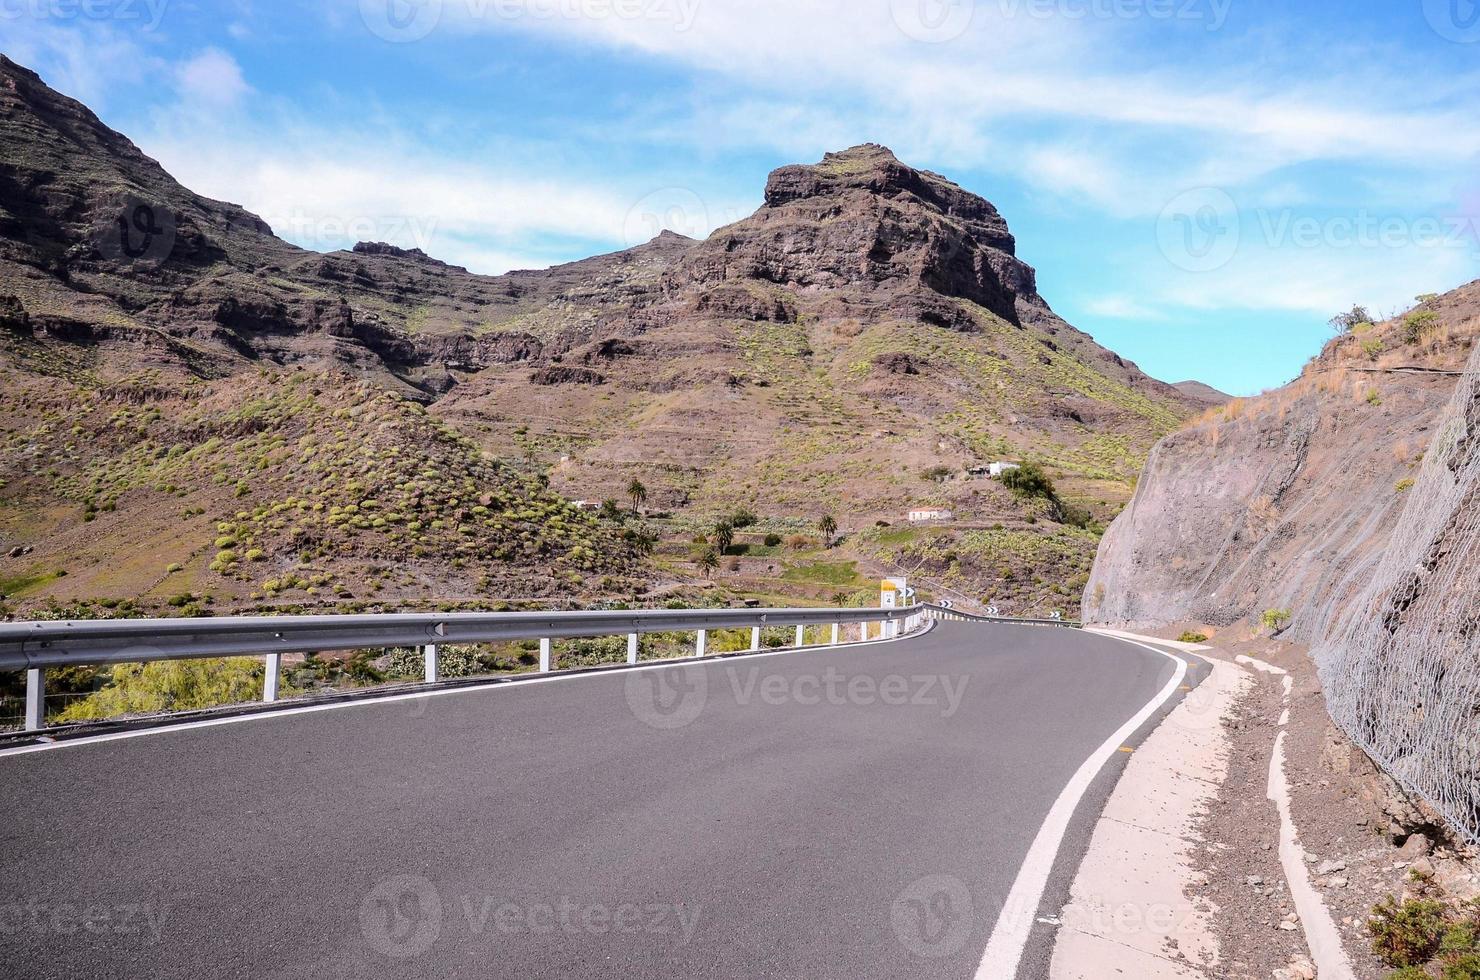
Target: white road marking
371	698
1320	930
1010	936
1260	665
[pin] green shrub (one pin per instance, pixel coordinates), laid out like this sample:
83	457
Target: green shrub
590	651
1028	480
452	661
1191	637
170	685
1404	485
1465	966
1406	934
1414	325
1274	620
772	540
1349	321
1460	938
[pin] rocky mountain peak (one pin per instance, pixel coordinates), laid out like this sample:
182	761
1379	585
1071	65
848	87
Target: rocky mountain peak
874	170
905	241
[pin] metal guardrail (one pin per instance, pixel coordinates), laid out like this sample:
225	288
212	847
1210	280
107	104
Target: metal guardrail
951	613
35	646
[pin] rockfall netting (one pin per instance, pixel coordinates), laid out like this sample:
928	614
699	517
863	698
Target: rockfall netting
1401	664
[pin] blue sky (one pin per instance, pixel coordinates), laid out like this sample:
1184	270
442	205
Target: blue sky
1201	184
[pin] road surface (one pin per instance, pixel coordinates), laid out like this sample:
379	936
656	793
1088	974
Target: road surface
855	812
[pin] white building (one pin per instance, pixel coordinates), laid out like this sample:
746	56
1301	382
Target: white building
922	514
997	469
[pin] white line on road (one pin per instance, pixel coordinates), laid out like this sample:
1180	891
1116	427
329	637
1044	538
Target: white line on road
1015	924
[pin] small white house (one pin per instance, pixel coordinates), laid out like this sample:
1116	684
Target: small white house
997	469
920	515
586	504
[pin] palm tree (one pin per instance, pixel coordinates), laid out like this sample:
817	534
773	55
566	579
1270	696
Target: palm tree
644	541
707	561
724	536
829	527
637	492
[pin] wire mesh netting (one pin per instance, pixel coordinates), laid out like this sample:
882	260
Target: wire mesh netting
1401	663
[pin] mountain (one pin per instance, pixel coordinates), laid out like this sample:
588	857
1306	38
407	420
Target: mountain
1198	391
177	376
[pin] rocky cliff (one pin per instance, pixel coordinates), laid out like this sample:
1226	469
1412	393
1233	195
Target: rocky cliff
1341	511
1400	661
1285	503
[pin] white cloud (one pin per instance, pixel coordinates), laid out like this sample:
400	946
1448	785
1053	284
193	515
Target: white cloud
82	59
1013	78
211	78
1122	308
1318	281
327	189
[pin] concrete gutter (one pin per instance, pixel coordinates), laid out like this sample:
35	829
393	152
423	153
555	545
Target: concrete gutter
1128	913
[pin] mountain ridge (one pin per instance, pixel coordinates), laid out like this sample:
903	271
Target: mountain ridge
855	346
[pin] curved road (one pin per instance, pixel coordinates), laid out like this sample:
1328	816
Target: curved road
854	812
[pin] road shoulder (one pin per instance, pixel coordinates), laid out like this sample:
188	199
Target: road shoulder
1129	913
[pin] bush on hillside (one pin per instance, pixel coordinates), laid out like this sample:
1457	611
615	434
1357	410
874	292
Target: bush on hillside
170	685
1029	480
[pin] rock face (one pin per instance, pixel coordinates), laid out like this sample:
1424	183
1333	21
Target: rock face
1288	501
1349	500
861	218
1399	663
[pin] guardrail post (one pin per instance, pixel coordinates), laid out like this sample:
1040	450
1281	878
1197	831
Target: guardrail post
35	699
545	655
632	648
801	635
701	642
429	661
835	634
755	638
274	665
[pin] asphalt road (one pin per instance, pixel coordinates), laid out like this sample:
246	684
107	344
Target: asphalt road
852	813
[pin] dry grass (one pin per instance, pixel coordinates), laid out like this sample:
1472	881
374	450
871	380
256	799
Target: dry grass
1333	381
